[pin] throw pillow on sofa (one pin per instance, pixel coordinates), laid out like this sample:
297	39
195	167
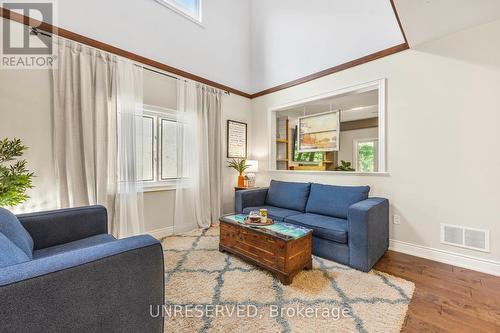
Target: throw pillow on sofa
15	232
333	200
10	253
288	195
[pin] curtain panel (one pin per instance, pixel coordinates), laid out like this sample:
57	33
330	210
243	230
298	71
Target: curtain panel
89	88
198	193
129	203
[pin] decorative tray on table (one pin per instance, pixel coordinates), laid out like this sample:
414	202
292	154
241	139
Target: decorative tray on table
256	221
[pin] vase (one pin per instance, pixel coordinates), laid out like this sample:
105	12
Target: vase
241	180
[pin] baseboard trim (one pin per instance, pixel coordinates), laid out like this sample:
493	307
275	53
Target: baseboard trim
161	233
447	257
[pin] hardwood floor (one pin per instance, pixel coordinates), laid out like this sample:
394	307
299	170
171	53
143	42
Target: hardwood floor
446	298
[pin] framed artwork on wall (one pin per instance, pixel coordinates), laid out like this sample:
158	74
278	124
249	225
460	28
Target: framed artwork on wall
236	139
319	132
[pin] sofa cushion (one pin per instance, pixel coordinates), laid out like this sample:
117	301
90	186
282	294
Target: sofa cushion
75	245
332	200
10	253
330	228
275	213
288	195
14	230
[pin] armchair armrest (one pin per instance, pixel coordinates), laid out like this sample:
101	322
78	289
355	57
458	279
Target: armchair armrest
368	223
107	287
249	198
64	225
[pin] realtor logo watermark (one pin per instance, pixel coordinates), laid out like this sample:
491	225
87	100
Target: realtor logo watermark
25	46
248	311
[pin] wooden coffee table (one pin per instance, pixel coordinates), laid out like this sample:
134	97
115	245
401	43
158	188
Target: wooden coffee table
283	249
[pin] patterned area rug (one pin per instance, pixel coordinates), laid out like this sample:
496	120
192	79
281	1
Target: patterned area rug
209	291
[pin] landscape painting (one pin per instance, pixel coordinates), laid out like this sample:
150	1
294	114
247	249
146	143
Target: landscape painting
319	132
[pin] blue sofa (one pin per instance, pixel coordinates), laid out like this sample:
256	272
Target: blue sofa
60	271
348	227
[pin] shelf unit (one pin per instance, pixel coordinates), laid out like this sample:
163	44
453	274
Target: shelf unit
282	143
330	160
284	152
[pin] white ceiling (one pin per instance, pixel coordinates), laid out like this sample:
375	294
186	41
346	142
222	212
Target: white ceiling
252	45
425	20
354	106
291	39
249	45
217	50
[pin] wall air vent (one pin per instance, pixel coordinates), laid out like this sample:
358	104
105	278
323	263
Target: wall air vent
469	238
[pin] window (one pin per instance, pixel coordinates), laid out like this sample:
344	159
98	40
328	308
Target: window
168	149
366	155
148	145
160	130
189	8
314	157
338	131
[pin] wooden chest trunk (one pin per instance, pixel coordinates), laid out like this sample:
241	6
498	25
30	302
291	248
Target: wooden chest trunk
281	256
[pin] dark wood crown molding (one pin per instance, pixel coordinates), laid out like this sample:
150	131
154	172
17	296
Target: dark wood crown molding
393	4
5	13
341	67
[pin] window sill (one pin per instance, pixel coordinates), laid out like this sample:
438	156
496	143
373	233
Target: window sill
340	173
158	189
169	185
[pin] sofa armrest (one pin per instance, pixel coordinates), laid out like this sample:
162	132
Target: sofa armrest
368	232
108	287
64	225
249	198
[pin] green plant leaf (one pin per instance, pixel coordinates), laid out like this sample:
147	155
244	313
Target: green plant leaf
15	179
238	164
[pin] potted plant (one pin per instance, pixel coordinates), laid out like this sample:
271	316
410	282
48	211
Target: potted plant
344	166
239	165
15	179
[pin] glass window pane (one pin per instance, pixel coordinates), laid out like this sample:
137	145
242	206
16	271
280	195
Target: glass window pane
366	156
168	149
147	148
190	7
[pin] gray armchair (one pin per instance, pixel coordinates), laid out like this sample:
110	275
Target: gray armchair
61	272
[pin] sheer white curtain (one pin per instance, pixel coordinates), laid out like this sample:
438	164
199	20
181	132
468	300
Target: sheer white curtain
129	203
92	148
198	193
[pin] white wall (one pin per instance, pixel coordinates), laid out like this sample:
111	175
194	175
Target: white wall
218	50
159	212
25	113
443	112
235	108
160	90
423	20
294	38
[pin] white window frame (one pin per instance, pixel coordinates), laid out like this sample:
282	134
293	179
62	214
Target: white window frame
379	85
355	144
158	114
160	146
179	9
